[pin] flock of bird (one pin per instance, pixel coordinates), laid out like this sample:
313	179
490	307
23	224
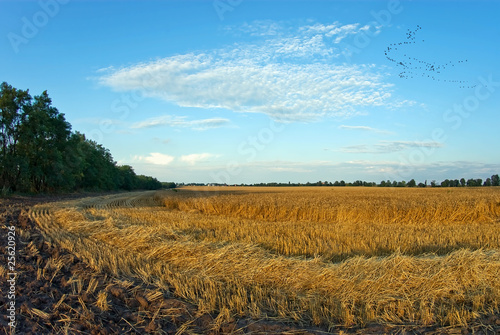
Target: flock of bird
413	67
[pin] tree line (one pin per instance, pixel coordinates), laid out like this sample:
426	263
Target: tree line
494	180
39	153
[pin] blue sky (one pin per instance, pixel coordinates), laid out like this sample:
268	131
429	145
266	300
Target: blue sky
258	91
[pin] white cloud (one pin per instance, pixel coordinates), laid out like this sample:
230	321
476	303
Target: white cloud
194	159
390	146
338	31
312	171
358	149
289	169
412	144
257	28
156	158
180	121
287	74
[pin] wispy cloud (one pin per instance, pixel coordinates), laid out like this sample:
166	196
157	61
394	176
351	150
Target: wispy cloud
289	73
282	171
337	31
358	149
390	146
289	169
256	28
365	128
182	122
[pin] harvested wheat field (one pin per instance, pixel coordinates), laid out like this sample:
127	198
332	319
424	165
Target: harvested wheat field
328	258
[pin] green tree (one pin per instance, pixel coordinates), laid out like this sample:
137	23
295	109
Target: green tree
128	178
75	160
99	169
13	105
39	153
148	183
43	137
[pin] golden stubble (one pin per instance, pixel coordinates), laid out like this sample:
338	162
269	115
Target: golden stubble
325	256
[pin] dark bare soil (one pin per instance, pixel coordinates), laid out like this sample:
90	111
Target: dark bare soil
64	298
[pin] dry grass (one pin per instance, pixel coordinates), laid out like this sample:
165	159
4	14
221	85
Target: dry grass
336	223
324	256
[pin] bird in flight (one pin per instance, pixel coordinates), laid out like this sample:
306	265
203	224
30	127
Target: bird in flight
415	67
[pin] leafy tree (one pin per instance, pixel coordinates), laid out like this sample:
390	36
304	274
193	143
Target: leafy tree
128	178
13	105
99	170
412	183
462	182
168	185
43	137
495	180
39	153
148	183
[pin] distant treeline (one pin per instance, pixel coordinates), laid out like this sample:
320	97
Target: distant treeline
40	153
493	181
